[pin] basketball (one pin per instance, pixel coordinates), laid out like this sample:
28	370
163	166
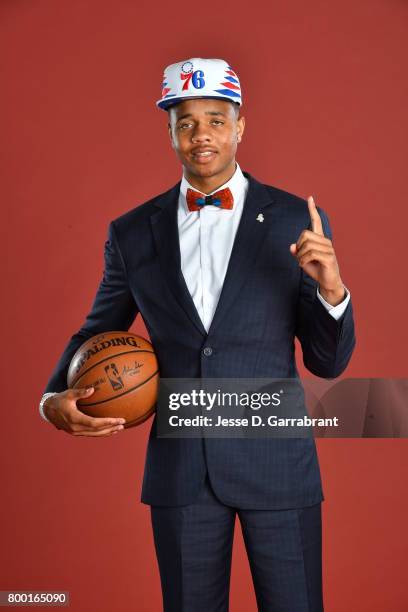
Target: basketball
123	370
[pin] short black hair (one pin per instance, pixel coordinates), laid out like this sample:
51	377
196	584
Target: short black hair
235	106
236	109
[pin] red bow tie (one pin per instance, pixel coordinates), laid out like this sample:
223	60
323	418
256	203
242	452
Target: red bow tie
222	198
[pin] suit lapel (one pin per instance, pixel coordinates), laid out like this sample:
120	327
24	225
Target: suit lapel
248	240
250	235
166	237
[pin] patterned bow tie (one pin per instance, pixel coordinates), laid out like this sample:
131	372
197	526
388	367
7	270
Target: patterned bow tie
222	198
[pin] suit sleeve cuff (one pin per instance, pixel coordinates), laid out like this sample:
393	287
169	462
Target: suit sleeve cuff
335	311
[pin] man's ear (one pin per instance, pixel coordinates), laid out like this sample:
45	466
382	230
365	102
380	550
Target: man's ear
240	128
170	134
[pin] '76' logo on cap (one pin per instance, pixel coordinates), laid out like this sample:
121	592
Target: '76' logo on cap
196	78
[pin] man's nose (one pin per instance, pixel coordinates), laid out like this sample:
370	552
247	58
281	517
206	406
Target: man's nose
201	132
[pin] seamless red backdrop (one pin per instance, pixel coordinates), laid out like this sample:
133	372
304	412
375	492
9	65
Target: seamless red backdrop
325	98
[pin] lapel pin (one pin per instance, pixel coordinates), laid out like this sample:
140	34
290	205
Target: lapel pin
260	218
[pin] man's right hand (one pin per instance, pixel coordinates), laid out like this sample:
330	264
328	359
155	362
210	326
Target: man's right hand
62	411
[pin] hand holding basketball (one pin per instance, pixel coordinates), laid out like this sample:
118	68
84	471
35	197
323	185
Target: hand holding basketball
122	368
62	411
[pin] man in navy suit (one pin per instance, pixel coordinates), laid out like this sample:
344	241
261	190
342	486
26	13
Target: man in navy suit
226	272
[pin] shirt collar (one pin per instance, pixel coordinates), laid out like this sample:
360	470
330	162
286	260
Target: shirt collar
237	184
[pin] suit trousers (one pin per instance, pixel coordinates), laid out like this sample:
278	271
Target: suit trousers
194	548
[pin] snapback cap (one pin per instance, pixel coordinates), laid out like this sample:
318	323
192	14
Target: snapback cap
199	78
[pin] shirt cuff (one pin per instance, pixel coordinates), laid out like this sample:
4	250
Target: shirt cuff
335	311
44	397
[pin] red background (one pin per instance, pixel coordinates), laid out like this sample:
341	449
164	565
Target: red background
325	98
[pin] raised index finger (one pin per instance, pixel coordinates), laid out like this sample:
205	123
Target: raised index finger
317	226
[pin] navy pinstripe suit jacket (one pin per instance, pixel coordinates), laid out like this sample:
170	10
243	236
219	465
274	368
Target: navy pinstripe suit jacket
266	301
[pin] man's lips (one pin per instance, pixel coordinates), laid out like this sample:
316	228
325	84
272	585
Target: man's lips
203	155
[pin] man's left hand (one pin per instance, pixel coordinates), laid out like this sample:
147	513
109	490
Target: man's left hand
316	256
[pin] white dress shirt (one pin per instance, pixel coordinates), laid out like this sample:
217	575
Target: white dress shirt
206	240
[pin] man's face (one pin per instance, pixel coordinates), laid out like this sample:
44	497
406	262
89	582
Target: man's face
204	132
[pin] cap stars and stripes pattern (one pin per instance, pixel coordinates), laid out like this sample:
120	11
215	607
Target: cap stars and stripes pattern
230	84
165	90
198	77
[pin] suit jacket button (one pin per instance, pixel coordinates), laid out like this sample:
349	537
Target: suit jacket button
207	351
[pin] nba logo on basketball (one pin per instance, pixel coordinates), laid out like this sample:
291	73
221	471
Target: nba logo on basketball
114	377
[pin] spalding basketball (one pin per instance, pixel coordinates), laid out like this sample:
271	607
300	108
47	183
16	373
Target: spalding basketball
123	370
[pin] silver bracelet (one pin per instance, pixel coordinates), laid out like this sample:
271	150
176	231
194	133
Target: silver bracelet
44	397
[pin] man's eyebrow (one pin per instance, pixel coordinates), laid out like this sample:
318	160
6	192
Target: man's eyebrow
206	112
